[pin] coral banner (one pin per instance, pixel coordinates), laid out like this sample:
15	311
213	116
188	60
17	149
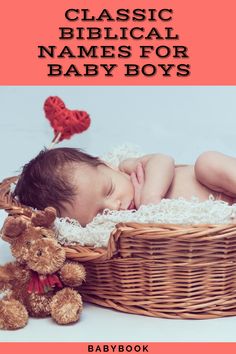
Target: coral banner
86	42
113	347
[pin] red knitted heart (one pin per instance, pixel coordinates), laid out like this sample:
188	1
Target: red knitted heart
63	120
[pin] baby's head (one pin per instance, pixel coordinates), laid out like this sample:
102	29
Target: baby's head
75	183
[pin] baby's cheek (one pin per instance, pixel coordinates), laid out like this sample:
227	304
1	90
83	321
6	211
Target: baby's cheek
130	186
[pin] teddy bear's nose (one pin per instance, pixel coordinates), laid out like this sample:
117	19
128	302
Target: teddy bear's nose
46	256
39	253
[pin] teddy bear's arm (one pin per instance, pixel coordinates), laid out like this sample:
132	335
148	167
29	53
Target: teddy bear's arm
11	272
6	275
72	274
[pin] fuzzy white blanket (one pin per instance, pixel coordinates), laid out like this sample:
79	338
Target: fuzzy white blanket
176	211
173	211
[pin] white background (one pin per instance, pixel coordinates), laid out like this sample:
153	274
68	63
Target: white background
181	121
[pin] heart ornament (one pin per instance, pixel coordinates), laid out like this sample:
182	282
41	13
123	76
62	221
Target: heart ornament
65	122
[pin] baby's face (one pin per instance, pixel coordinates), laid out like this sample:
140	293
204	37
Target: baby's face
99	188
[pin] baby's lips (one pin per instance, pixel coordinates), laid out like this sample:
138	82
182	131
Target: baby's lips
131	206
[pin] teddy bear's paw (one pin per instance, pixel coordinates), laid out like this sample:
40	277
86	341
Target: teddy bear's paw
73	274
13	314
38	305
66	306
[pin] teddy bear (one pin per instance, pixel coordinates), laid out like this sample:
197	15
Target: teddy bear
41	282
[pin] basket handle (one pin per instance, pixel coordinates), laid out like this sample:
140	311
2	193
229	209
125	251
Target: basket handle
7	202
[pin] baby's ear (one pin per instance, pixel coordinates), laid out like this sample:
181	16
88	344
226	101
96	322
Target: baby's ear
44	218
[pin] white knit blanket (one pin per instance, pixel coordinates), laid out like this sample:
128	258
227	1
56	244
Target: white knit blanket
176	211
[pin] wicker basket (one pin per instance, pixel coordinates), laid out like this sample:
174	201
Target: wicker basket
159	270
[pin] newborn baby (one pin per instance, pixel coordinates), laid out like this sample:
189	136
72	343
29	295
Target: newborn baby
80	186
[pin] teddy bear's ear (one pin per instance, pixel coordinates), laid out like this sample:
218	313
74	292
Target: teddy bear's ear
44	218
12	228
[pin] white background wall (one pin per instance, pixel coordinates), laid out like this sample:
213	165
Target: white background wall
181	121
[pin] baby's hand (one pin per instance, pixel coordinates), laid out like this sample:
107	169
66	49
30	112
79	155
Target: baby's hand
137	179
142	193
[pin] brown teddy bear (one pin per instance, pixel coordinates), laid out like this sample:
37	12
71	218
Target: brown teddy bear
41	282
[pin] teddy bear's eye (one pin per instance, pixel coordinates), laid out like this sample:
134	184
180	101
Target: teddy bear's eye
44	235
39	253
28	243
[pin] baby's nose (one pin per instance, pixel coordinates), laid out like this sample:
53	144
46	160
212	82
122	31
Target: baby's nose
113	204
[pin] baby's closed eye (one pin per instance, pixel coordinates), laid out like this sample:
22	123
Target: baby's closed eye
110	189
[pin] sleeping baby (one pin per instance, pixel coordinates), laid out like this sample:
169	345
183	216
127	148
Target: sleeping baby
80	186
